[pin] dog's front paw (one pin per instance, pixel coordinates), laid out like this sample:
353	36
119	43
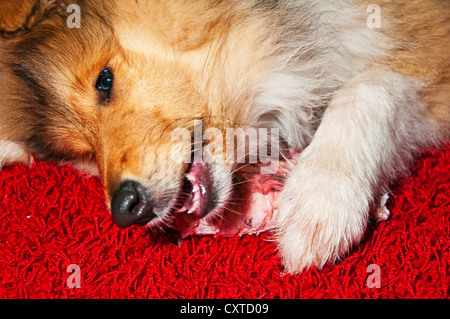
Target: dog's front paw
321	215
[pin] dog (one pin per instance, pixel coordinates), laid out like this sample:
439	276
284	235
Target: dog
358	88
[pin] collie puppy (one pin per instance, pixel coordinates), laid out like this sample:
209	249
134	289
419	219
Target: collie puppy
357	88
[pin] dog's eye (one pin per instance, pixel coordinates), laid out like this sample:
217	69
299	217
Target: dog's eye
104	84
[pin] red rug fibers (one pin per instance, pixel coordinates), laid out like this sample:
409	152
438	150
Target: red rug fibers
52	217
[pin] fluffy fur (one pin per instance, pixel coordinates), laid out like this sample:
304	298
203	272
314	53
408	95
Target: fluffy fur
359	102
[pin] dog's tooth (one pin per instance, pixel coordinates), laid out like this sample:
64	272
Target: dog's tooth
196	204
192	210
181	210
196	196
195	189
190	177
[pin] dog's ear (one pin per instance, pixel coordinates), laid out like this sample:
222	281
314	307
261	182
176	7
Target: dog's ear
20	16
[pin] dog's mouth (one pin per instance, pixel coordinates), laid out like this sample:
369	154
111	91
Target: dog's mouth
197	194
201	209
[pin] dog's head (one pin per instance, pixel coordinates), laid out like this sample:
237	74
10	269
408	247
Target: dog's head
119	89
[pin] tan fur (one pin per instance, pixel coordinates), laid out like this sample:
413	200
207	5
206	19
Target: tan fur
17	16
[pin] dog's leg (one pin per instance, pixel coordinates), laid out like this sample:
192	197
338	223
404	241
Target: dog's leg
368	135
13	153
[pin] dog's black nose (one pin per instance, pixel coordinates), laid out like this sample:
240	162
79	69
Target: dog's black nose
130	205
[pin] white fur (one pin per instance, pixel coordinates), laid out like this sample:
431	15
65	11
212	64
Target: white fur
12	153
311	64
368	135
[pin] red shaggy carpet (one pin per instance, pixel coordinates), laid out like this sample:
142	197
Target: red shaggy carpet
52	217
